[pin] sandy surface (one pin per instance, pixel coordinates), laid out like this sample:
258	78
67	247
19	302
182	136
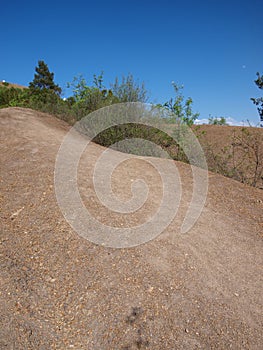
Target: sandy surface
200	290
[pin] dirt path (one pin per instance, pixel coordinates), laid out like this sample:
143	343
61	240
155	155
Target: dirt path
200	290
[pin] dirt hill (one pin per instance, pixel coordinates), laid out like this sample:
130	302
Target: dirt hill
199	290
9	85
234	151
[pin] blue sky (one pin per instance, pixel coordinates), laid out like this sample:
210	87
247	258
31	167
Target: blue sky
214	48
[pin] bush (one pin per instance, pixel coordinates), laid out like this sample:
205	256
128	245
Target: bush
180	109
9	96
217	121
128	90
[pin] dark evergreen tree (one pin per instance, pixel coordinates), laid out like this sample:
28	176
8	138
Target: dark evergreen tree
259	101
44	80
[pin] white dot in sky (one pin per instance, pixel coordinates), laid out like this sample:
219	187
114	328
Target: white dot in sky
244	66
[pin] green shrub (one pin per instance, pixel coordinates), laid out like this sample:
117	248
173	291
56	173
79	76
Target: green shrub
8	96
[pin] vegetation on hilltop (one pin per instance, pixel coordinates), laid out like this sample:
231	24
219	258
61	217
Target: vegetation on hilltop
240	158
217	121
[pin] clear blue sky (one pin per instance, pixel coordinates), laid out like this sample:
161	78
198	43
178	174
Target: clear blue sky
214	48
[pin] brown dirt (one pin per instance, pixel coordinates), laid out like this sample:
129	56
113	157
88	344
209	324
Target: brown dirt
244	160
221	135
200	290
13	85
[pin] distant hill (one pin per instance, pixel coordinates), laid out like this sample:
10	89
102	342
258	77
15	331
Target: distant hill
9	85
234	151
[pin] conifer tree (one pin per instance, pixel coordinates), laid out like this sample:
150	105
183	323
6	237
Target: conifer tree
259	101
44	80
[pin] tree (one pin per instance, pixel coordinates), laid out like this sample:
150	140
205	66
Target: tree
44	80
217	121
128	90
87	99
259	101
179	108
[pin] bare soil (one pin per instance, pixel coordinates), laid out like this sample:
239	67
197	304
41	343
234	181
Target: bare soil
200	290
239	150
12	85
